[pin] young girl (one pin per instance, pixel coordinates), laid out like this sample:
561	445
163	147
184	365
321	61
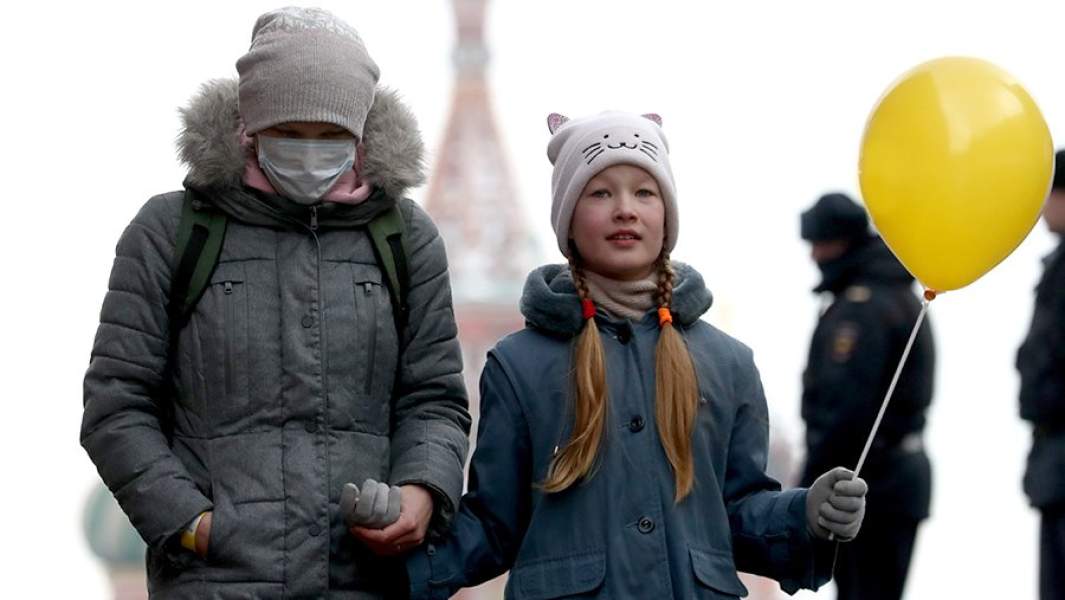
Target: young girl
622	444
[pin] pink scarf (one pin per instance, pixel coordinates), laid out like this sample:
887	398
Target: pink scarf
349	189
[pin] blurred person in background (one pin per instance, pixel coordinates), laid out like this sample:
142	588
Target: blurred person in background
1041	362
855	350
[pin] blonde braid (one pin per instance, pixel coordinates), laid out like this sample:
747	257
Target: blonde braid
578	458
676	388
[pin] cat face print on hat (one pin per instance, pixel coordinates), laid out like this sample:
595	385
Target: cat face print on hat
581	148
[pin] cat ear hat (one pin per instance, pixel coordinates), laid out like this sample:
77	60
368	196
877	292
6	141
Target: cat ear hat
581	148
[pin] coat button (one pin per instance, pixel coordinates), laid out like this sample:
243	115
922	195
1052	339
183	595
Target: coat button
314	530
307	321
636	424
310	427
645	525
624	334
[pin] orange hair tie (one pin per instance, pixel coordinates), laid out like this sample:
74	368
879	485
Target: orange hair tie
587	308
664	316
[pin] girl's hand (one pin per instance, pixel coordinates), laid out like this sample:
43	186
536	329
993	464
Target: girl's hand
835	505
416	508
375	506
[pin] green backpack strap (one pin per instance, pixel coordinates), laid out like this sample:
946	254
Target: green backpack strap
199	243
388	234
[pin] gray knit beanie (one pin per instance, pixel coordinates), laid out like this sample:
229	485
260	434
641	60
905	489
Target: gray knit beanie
581	148
305	64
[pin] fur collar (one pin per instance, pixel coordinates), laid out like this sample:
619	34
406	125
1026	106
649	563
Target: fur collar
209	142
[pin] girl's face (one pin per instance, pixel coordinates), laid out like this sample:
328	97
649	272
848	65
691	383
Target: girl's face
619	223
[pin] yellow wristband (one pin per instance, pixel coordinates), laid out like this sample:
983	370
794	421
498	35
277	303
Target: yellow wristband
188	535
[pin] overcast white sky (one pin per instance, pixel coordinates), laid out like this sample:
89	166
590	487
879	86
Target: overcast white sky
763	102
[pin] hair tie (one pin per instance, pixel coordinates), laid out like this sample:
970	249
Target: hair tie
664	316
587	308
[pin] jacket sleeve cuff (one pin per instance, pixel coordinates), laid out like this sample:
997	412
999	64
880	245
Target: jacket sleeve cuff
812	558
438	469
173	550
443	506
161	513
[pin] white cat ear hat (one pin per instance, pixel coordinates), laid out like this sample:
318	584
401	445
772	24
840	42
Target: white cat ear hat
581	148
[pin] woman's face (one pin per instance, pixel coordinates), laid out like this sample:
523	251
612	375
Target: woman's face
619	223
307	130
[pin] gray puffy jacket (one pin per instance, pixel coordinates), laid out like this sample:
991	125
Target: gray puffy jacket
289	380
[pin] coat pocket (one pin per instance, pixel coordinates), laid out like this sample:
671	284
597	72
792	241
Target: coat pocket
376	348
715	570
368	289
247	542
228	358
248	524
555	578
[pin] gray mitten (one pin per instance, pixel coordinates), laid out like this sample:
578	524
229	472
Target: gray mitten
835	505
376	506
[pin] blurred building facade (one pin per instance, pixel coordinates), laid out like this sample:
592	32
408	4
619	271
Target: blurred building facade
474	202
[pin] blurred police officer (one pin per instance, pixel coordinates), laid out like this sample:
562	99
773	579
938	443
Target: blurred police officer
1041	361
856	347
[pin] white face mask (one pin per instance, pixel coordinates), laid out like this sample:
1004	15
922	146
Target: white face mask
304	170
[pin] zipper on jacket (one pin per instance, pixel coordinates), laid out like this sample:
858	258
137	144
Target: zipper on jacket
370	314
227	315
322	326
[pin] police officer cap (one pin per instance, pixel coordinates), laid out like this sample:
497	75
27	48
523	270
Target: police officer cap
834	217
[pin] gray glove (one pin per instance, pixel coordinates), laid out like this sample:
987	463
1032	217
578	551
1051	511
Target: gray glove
375	507
835	505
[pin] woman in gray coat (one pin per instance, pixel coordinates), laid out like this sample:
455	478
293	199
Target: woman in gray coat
228	434
621	450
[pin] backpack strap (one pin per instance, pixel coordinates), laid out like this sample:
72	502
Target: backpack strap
388	234
199	243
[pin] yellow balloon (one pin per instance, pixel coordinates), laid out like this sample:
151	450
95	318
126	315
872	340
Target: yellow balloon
956	162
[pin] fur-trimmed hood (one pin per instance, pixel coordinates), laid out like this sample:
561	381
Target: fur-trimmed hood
209	142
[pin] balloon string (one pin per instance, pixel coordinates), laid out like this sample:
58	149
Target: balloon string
928	297
894	382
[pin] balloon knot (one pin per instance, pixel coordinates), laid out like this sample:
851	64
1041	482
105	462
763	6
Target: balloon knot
929	295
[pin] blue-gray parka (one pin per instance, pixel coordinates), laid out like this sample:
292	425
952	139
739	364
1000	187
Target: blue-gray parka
619	534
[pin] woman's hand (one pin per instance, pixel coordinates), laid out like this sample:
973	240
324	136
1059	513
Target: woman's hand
416	509
203	534
835	505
